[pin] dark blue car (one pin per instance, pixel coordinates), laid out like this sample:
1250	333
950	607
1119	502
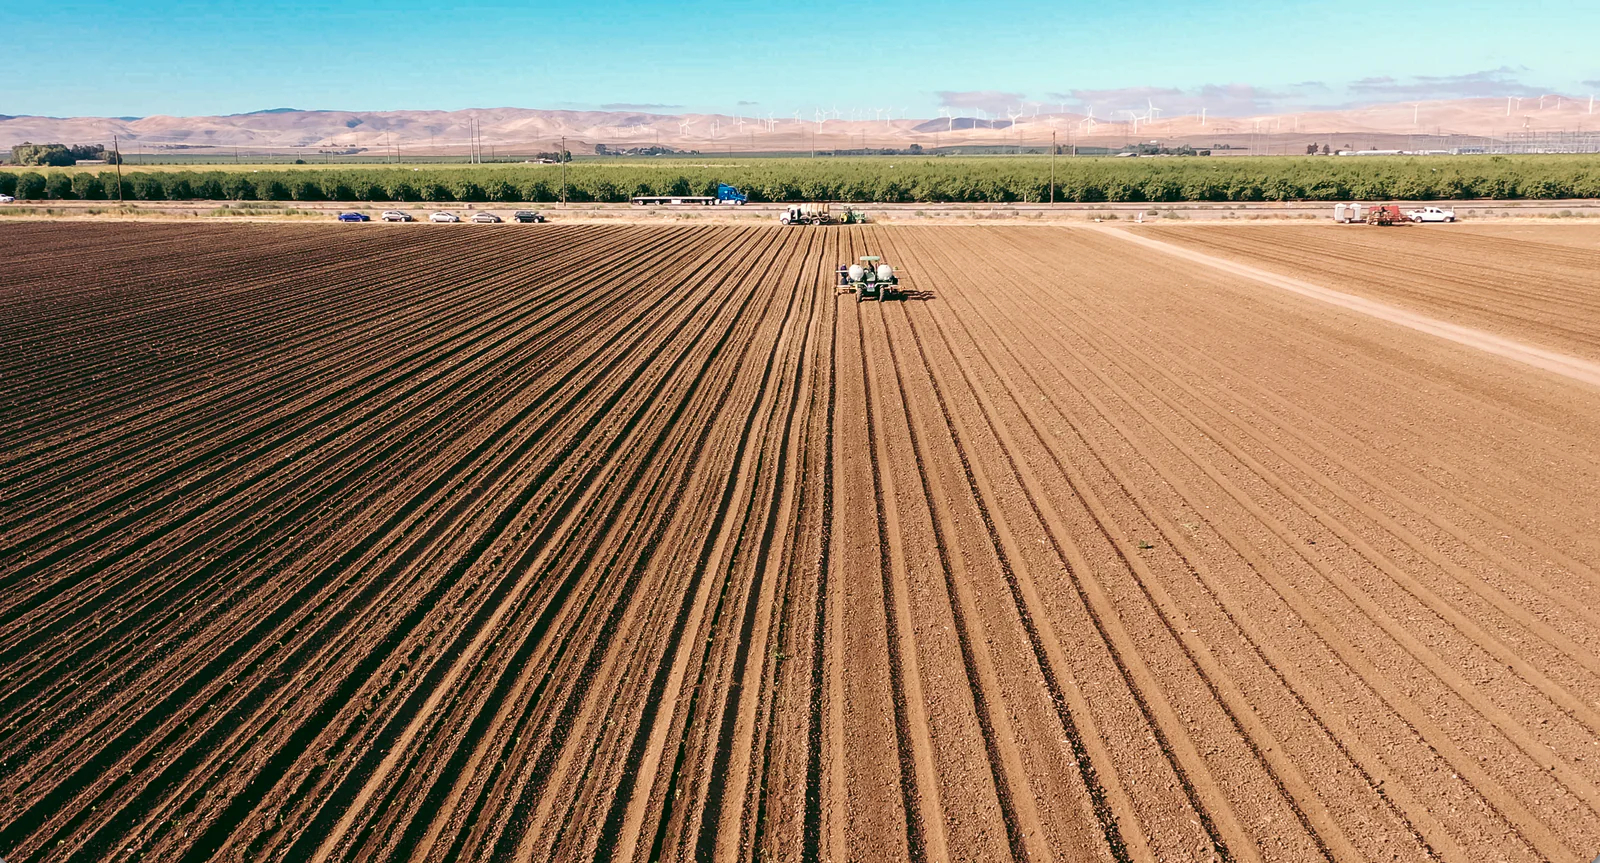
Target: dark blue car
354	217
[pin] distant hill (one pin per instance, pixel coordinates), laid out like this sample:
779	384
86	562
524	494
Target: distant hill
525	130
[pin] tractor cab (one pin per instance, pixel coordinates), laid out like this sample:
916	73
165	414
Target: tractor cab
869	279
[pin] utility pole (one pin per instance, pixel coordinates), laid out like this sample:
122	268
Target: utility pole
116	148
562	156
1053	149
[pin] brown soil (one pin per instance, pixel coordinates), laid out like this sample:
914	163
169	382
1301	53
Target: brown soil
1534	283
1583	235
573	542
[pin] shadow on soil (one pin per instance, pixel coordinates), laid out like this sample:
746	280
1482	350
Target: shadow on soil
899	296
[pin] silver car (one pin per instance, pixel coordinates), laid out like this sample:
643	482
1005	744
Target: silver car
396	216
442	216
486	218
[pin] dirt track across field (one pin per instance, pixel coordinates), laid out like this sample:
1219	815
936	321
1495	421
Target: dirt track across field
1539	284
640	542
1552	361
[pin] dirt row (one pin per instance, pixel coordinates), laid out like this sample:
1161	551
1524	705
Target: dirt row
1535	284
590	542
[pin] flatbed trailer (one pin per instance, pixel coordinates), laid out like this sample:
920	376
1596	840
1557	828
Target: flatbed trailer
674	199
726	194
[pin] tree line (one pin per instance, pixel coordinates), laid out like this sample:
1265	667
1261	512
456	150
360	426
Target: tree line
59	155
970	180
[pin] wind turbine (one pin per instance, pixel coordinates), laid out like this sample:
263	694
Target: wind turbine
950	125
1202	115
1012	117
1154	112
683	128
819	116
797	116
836	111
1508	106
1591	103
1416	113
1134	115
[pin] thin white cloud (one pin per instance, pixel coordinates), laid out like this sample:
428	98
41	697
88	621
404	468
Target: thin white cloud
1503	81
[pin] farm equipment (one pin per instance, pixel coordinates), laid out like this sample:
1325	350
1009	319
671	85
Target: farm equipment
821	214
869	279
806	214
1386	214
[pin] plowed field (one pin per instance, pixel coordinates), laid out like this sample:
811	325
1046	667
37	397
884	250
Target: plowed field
632	543
1536	283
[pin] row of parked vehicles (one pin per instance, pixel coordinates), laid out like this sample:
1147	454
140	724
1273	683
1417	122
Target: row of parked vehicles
482	217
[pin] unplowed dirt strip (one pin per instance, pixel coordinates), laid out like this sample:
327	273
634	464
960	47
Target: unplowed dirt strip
570	543
1552	361
1536	285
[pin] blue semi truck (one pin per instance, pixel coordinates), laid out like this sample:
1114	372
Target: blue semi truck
726	194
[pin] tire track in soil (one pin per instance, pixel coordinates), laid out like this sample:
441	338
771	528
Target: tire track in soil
1413	715
712	566
1555	362
1264	745
1035	425
536	565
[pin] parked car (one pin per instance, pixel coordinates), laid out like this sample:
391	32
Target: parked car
444	217
528	216
396	216
486	218
6	199
1431	214
354	217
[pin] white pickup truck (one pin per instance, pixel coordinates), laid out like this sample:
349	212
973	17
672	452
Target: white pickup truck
1431	214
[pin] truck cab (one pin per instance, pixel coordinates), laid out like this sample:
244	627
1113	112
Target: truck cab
727	194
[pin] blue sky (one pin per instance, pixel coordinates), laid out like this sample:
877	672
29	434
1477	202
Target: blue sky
190	58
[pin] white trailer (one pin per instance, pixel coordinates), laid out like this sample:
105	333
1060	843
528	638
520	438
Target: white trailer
806	214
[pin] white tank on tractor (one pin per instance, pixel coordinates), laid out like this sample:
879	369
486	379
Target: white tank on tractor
870	279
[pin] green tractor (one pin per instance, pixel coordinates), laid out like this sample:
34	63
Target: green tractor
852	216
870	279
